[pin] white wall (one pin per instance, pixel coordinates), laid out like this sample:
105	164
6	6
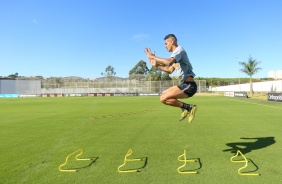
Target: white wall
275	74
269	86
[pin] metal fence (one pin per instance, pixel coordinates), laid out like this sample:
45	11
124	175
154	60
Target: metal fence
128	86
24	87
140	85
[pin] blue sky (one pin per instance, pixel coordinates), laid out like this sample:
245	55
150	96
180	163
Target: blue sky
62	38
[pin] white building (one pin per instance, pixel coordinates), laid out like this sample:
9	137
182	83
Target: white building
267	86
275	74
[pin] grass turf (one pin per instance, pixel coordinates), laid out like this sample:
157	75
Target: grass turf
38	133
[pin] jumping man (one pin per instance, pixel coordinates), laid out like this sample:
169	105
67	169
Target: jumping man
178	61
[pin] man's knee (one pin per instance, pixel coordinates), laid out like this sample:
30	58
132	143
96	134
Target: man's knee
167	101
163	99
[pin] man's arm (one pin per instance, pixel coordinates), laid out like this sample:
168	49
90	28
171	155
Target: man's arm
163	61
158	63
168	69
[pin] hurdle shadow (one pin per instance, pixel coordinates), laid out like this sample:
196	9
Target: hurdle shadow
93	160
255	165
145	162
198	162
259	143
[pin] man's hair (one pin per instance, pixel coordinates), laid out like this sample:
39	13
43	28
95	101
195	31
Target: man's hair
170	36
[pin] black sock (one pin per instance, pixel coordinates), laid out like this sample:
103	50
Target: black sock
186	106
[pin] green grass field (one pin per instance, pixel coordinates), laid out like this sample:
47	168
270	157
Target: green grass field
37	134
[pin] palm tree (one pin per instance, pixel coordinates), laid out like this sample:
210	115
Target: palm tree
250	68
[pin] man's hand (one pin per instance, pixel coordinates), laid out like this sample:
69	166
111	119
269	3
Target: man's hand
150	54
153	62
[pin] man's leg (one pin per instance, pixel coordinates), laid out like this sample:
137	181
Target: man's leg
170	96
189	88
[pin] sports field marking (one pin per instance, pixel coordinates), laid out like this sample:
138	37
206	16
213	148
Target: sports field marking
122	114
255	103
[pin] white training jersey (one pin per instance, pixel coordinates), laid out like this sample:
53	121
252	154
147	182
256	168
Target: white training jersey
182	66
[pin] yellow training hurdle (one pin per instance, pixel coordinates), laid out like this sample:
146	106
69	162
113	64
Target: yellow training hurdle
245	161
185	161
125	160
76	157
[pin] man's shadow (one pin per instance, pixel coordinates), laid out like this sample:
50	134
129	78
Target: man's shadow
246	147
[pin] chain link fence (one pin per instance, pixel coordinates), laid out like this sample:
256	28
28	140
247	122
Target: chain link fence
113	85
24	87
104	85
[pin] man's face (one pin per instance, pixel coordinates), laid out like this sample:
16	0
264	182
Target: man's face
168	44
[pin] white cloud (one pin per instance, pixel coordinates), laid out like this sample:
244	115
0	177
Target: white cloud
140	37
34	21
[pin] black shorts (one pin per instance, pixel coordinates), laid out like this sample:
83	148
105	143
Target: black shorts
189	88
